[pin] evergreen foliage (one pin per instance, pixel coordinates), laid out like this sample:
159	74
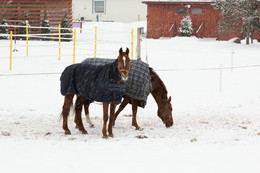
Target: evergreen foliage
3	29
23	29
65	24
46	30
238	15
186	27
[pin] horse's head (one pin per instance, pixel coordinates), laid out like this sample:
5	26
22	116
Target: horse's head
123	63
165	113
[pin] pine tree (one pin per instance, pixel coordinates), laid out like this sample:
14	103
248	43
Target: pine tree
46	30
186	27
23	29
65	24
3	29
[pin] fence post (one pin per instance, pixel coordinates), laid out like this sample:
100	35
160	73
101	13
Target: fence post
220	77
132	45
59	43
95	53
138	43
74	46
232	58
26	39
11	47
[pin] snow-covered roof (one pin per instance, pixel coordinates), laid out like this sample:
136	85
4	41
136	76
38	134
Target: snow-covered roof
181	0
178	0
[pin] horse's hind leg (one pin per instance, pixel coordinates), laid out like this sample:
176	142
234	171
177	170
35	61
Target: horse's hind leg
78	109
86	108
68	99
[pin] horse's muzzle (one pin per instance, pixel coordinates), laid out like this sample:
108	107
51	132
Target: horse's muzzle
124	78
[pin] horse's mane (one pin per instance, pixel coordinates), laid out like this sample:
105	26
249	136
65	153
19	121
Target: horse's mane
163	89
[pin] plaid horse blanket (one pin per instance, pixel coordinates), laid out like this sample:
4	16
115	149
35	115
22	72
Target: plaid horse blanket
138	86
95	83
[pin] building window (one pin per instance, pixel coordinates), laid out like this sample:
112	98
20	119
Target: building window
182	11
196	11
99	6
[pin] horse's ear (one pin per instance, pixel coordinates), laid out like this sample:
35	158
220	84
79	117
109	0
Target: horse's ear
127	51
169	100
120	51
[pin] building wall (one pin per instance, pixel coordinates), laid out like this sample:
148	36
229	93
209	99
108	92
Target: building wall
15	10
164	21
116	10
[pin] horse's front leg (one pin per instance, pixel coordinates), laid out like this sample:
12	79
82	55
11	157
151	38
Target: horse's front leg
134	110
105	118
111	118
121	107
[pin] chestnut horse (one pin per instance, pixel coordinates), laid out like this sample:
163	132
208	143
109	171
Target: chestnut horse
160	94
122	65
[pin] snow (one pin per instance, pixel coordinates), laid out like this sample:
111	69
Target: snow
214	131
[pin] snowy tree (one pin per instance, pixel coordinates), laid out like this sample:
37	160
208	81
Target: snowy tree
186	27
23	29
238	15
65	24
46	30
3	29
250	19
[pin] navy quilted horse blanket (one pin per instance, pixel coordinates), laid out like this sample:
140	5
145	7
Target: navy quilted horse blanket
138	86
95	83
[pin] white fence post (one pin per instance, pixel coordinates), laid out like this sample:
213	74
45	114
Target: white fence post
220	77
232	58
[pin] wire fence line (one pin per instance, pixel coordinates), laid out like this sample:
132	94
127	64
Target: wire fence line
209	69
157	70
35	27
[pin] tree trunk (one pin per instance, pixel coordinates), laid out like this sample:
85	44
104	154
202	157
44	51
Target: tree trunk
252	37
247	39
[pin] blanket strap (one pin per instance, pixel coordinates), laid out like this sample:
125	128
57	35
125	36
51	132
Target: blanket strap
116	87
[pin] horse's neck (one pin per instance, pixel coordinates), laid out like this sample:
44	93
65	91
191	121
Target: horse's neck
159	97
159	91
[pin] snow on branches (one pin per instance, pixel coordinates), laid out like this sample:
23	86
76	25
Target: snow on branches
238	15
186	27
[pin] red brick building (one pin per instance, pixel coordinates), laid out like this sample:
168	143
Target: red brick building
164	18
15	10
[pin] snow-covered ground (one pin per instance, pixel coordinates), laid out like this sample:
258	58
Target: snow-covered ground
214	131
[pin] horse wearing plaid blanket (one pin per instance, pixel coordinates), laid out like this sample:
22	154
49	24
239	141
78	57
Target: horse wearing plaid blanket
136	93
95	83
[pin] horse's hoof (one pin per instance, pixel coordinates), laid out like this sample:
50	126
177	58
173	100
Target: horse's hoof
85	132
139	128
111	135
67	133
104	136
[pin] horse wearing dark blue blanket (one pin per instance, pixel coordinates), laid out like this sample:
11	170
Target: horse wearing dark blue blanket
102	83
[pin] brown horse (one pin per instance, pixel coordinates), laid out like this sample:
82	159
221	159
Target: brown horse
122	68
160	94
